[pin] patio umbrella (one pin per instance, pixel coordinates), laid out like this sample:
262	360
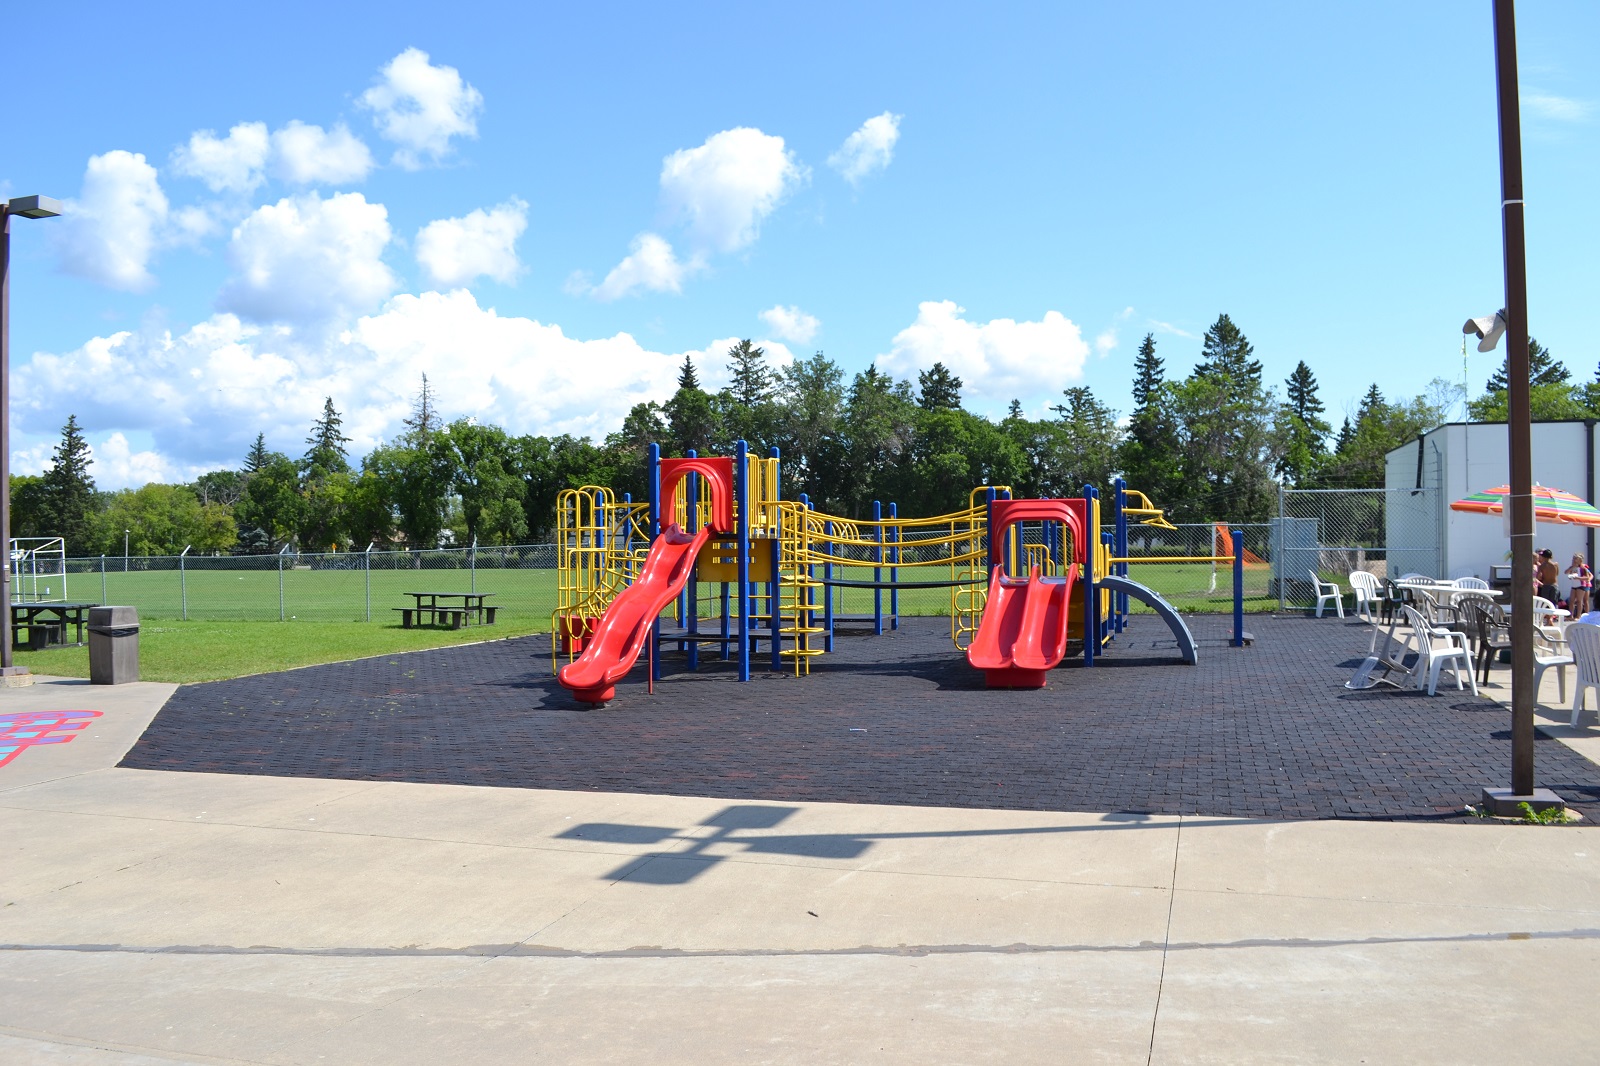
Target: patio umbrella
1549	505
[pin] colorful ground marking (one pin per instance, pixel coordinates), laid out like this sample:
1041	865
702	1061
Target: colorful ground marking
27	728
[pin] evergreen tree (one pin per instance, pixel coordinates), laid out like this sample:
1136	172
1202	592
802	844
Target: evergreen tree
1149	372
327	451
938	389
1543	369
751	378
1014	410
258	455
423	421
1226	353
69	496
687	378
1089	440
1307	433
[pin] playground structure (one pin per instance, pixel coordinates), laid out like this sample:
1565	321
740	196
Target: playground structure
1030	581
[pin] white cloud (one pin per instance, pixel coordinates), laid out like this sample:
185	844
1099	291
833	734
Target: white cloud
457	251
1168	327
226	164
204	394
311	155
651	266
723	189
308	260
996	360
868	149
420	107
1557	108
791	323
1106	341
118	466
112	230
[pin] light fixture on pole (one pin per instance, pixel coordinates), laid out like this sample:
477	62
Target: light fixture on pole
20	207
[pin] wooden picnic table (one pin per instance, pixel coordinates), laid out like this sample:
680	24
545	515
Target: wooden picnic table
46	623
440	607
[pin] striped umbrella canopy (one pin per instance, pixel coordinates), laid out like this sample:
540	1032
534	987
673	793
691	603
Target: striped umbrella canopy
1549	505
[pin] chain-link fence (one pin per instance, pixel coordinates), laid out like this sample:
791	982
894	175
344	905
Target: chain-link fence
1207	583
333	587
1332	532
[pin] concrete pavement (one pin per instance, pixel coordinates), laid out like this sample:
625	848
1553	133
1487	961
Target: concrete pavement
150	917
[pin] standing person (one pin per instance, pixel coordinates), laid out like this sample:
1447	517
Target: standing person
1547	573
1582	582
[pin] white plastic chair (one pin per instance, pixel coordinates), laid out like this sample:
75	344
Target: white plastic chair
1471	583
1546	655
1436	649
1546	619
1584	640
1327	592
1368	591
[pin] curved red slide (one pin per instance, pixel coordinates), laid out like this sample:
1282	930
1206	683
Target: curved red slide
1023	633
623	629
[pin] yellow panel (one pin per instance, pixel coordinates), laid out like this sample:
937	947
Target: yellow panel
719	561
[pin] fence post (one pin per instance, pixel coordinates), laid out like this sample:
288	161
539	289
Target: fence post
102	577
472	563
1238	588
280	581
183	580
366	565
1277	564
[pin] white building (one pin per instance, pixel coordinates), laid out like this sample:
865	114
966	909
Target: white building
1459	459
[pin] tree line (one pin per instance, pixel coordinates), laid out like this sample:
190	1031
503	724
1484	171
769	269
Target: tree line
1214	444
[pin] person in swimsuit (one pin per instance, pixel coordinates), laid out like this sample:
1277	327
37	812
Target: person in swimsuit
1582	582
1547	574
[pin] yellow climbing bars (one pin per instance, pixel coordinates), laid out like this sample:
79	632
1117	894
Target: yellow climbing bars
799	593
1154	516
600	546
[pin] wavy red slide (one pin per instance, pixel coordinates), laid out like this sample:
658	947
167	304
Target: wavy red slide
623	629
1023	634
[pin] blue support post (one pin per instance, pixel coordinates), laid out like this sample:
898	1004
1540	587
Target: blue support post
1238	588
894	570
774	547
1119	547
689	602
741	480
995	560
877	571
654	526
1091	598
827	590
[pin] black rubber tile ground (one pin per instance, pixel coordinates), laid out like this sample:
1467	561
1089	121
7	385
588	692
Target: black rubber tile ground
1265	731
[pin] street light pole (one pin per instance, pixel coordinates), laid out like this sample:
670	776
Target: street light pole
25	207
125	533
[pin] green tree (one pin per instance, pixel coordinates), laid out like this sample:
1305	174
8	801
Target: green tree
687	378
1305	446
875	437
324	483
28	507
811	402
1226	353
1543	368
1361	454
938	389
369	510
1150	458
483	474
417	473
1229	444
258	456
220	486
268	514
423	421
68	505
327	452
1089	441
750	379
693	421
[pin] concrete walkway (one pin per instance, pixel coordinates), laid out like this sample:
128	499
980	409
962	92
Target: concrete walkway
151	917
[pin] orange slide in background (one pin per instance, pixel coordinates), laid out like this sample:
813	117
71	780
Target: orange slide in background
619	638
1023	634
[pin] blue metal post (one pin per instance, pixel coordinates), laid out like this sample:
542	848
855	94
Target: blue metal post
995	559
774	547
1238	588
741	480
655	531
689	602
827	589
1091	599
1119	546
877	571
894	570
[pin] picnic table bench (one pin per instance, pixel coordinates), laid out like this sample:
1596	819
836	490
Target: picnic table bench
428	607
46	623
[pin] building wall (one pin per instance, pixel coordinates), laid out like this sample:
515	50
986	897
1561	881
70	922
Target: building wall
1463	458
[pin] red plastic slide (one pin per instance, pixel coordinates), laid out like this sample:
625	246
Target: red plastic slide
623	629
1023	633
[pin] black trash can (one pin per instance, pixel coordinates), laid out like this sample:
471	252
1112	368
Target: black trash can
113	645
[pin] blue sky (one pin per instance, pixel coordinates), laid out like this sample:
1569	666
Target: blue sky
545	208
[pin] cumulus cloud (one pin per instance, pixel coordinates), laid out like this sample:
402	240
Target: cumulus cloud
307	260
722	190
651	266
233	164
118	466
311	155
458	251
111	231
868	149
996	360
791	323
1557	108
420	107
203	394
